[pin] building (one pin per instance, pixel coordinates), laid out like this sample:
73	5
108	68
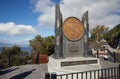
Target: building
99	47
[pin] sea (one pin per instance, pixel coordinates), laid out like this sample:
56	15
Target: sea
22	48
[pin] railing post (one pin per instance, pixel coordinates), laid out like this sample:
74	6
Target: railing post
53	76
47	75
119	72
97	53
114	57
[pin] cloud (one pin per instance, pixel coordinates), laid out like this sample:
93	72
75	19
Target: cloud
103	12
13	29
47	13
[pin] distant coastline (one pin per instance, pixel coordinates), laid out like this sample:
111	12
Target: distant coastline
22	48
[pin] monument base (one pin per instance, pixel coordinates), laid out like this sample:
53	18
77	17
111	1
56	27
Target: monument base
72	64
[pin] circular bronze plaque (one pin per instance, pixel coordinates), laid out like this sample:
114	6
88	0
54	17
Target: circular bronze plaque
73	28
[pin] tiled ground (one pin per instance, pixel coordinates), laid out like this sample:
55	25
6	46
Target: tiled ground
38	71
24	72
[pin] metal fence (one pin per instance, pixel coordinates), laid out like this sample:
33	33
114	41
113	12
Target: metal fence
107	73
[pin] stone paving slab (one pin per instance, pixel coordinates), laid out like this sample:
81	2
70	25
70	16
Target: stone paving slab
38	71
24	72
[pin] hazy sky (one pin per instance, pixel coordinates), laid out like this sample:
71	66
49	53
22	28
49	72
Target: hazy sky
21	20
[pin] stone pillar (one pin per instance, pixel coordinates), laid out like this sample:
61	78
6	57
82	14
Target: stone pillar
58	33
86	31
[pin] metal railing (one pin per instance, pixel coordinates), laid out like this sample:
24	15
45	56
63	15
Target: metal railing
107	73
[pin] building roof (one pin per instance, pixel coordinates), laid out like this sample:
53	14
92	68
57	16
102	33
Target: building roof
97	45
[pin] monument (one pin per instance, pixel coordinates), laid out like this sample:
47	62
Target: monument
71	37
71	42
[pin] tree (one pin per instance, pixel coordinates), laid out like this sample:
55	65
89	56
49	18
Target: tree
37	44
4	57
15	55
42	45
4	53
98	32
112	36
24	53
16	50
11	56
48	45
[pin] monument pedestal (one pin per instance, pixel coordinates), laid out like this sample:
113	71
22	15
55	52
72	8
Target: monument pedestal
71	45
73	64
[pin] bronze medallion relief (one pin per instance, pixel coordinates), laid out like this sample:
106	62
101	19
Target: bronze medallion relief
73	29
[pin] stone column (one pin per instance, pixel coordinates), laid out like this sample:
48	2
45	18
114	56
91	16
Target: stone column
58	33
86	31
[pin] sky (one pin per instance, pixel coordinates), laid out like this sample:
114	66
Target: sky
22	20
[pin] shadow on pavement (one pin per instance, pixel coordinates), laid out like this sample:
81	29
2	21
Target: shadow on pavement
2	72
22	75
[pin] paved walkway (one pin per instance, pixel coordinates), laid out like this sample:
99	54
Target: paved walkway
38	71
24	72
108	64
